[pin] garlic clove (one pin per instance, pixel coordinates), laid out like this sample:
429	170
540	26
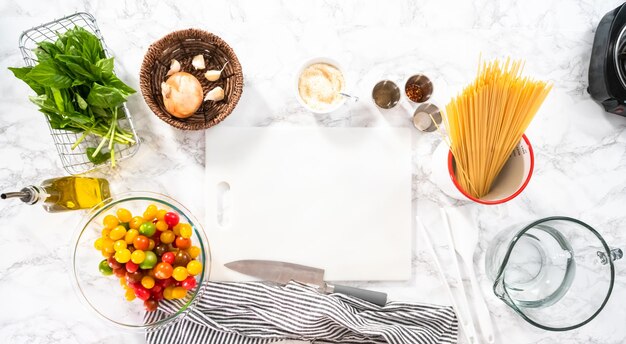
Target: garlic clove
213	75
198	62
215	94
174	67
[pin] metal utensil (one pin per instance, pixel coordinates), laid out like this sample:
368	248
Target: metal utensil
283	273
463	315
465	238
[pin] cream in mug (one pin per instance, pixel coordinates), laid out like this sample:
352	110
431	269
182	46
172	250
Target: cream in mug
319	86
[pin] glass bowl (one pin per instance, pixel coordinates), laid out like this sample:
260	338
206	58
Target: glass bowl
104	294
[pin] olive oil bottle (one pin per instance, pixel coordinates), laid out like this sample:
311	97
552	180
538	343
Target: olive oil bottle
65	193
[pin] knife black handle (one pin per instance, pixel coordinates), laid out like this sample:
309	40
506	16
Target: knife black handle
374	297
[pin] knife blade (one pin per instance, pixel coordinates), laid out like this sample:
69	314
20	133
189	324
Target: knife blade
283	273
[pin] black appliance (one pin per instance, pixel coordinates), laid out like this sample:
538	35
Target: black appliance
607	67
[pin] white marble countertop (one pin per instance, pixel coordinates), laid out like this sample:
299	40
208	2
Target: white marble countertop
580	151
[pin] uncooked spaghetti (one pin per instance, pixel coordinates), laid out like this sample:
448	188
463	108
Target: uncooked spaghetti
487	120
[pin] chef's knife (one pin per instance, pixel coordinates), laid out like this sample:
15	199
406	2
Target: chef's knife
283	273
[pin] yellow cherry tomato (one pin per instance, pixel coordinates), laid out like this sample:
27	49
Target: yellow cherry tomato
150	213
98	244
180	273
110	221
124	215
106	254
185	230
161	214
167	237
131	234
117	233
176	229
147	282
138	256
119	245
151	245
107	245
136	222
179	293
123	282
105	232
130	295
167	293
161	225
194	252
122	256
194	267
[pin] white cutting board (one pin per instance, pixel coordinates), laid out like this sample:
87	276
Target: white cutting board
333	198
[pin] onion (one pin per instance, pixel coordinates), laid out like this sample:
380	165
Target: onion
182	94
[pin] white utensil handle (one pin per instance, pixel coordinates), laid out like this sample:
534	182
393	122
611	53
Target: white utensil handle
484	318
461	315
469	325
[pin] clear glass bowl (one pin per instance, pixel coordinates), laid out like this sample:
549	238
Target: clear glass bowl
104	294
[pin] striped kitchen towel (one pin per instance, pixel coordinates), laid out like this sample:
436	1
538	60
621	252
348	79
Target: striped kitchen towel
259	313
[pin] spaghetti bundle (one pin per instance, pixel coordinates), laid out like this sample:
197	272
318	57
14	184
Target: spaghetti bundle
487	120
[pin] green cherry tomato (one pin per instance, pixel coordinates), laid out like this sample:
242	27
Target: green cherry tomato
147	229
104	267
150	261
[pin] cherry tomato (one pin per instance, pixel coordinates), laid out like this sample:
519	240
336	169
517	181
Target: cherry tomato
160	249
130	294
151	305
161	226
167	237
123	215
161	214
138	256
136	222
110	221
182	258
168	282
167	293
163	271
119	245
185	230
147	229
150	213
171	219
98	244
150	261
176	229
131	267
189	283
133	277
147	282
151	244
180	273
117	233
131	234
119	272
141	242
104	268
183	243
113	264
142	293
194	267
194	252
179	292
122	256
108	245
168	257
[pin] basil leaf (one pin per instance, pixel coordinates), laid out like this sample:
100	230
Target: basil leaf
45	73
105	96
106	65
100	158
82	104
112	80
22	74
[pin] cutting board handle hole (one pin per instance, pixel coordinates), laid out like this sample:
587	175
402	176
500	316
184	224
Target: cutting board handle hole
224	205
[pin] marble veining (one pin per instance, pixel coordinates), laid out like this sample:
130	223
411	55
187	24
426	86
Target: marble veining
580	151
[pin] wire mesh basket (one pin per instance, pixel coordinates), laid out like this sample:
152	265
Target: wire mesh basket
75	160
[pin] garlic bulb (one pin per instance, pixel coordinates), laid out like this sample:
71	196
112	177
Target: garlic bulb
174	67
198	62
214	74
215	94
182	94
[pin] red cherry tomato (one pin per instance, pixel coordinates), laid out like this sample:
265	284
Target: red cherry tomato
168	282
141	242
189	283
142	293
171	219
163	270
168	257
121	272
113	264
183	243
134	285
131	267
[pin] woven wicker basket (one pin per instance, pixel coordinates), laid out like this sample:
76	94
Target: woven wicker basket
183	46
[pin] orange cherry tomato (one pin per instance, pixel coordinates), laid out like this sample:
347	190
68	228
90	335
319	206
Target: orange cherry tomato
141	242
163	270
183	243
